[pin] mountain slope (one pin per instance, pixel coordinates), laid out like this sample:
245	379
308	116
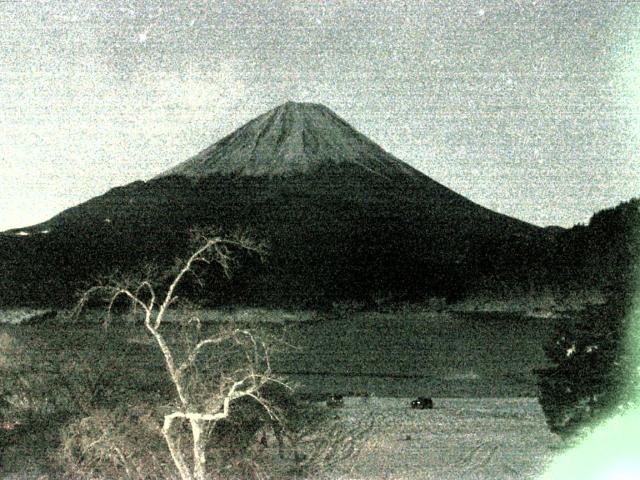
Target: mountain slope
344	220
291	138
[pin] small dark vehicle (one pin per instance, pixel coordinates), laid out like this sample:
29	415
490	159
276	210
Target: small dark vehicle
422	403
336	400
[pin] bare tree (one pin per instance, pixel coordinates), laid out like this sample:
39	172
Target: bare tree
199	403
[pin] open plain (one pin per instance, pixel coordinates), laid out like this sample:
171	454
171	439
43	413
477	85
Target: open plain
460	439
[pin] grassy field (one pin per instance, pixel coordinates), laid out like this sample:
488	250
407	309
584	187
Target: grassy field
396	353
56	371
460	439
411	353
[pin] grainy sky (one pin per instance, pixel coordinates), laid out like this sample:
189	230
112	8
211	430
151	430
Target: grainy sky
531	108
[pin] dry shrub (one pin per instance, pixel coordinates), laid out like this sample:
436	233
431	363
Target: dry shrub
10	350
23	390
117	443
111	444
314	440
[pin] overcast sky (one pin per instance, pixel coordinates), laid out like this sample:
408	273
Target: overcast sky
531	108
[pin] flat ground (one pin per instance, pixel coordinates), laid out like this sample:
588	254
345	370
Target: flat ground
461	438
411	353
486	423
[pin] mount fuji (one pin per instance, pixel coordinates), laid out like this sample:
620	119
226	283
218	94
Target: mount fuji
344	219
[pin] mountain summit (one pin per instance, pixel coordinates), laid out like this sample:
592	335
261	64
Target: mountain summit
291	138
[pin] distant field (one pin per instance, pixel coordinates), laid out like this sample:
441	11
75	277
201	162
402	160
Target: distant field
444	354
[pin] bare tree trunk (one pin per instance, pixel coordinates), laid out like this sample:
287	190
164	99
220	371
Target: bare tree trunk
199	444
174	449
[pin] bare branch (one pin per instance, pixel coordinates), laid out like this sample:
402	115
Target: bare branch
197	402
146	284
199	346
178	278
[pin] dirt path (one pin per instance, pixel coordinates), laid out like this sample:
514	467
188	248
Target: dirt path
459	439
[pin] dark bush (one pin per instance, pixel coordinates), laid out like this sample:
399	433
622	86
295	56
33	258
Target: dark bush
592	372
422	403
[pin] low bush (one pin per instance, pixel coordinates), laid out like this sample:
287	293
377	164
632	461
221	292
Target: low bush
123	443
592	372
126	442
